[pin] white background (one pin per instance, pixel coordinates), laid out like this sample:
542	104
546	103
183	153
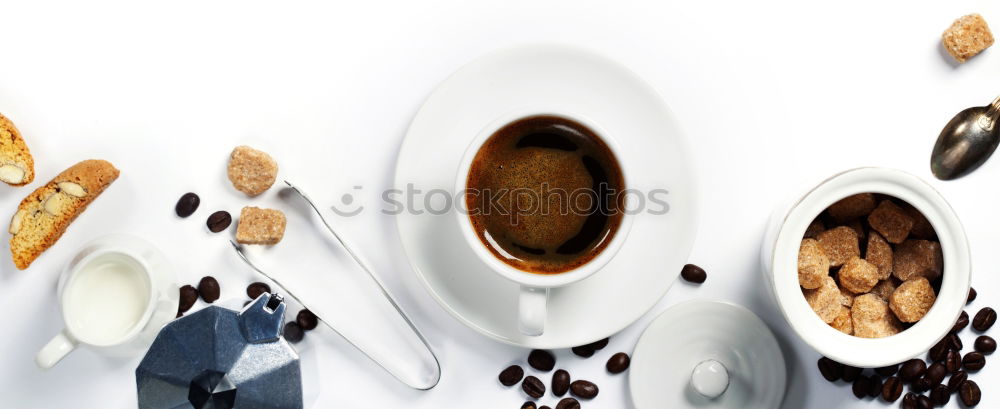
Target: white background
770	95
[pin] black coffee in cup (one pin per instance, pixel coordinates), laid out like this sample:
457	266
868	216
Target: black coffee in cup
545	194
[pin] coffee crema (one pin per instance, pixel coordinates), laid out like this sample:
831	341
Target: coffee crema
545	194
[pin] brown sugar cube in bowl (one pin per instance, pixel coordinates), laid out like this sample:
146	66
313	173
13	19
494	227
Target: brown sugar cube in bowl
884	289
813	264
872	318
968	35
891	221
260	226
858	276
879	252
843	322
911	301
251	171
918	258
825	300
840	244
851	207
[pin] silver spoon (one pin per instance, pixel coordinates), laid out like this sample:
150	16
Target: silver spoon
966	142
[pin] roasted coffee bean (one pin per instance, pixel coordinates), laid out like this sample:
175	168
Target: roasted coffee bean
544	407
940	350
254	290
831	370
970	394
208	288
953	361
189	295
568	403
972	296
935	374
887	370
179	314
921	385
292	332
588	350
583	389
618	363
961	323
912	370
307	320
984	319
876	386
986	344
957	380
533	387
861	386
693	274
541	360
891	389
529	405
974	361
851	373
187	204
219	221
954	342
923	402
600	344
940	395
511	375
560	382
909	401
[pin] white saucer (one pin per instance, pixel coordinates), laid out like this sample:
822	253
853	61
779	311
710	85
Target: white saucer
695	332
575	81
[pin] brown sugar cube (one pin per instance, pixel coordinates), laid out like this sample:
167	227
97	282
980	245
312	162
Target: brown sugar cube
814	229
917	258
825	300
843	322
839	244
967	36
872	318
859	229
922	228
879	252
911	301
260	226
858	276
884	289
846	297
851	207
813	264
251	171
891	222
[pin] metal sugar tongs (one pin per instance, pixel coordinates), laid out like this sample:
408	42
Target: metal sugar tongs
423	375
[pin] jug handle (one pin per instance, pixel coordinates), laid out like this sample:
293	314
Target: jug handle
57	349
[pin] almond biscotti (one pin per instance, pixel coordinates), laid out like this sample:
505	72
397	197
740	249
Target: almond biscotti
44	215
17	167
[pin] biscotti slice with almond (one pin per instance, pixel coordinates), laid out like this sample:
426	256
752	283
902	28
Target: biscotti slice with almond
44	215
17	167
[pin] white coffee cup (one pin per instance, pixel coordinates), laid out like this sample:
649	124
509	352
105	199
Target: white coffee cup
532	310
115	294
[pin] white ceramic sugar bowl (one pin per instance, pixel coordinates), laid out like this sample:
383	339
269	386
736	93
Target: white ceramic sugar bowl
779	256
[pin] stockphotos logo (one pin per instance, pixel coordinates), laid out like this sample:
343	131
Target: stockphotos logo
514	203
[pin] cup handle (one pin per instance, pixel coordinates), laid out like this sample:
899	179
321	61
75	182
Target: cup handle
53	352
532	310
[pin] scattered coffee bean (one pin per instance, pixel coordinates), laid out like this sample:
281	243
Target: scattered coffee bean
307	320
909	401
560	382
529	405
940	350
583	389
954	342
876	386
254	290
887	370
693	274
912	370
618	363
208	288
588	350
568	403
984	319
891	389
957	380
179	314
974	361
850	373
831	370
935	374
970	394
923	402
541	360
600	344
189	295
961	323
972	296
986	344
533	387
544	407
861	386
921	385
940	395
219	221
187	204
511	375
953	361
293	333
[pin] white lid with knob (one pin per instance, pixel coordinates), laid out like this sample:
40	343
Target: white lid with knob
707	354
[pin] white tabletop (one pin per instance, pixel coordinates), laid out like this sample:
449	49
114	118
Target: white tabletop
770	95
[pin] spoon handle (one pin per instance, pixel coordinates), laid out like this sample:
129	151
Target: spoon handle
989	119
